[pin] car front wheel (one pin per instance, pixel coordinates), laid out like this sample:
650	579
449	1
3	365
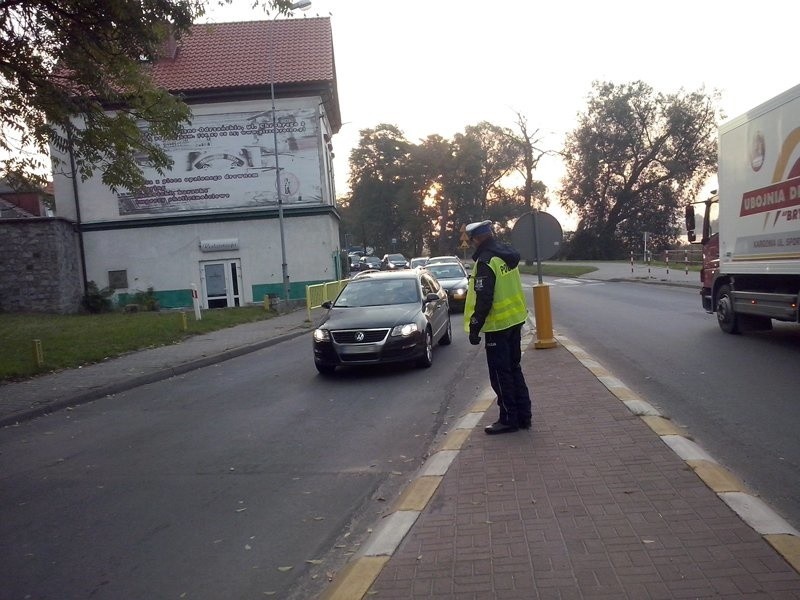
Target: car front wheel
426	360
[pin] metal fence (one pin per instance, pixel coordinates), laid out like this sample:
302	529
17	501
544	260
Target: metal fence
683	257
322	292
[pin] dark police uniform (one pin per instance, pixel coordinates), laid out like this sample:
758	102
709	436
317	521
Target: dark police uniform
496	307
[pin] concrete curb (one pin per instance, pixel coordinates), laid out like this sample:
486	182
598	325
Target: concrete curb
751	509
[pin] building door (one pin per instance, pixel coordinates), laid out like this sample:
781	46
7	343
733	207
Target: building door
221	283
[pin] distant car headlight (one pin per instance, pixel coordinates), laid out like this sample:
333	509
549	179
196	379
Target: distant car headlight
405	330
322	335
459	292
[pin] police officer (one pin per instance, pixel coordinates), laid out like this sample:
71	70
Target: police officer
496	306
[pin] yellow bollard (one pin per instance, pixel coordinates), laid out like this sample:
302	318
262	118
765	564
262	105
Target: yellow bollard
183	320
38	355
544	318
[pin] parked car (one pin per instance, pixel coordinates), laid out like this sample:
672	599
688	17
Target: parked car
383	317
453	278
369	262
418	261
394	261
354	258
442	259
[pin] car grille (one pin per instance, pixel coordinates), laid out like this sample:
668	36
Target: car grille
349	336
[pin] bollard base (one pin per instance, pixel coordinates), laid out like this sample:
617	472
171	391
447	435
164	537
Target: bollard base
541	344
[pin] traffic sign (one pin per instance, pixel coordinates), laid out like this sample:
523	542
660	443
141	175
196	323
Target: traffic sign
464	237
523	236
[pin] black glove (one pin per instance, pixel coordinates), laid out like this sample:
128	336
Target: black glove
474	338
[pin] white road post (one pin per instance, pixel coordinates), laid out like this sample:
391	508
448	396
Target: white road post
196	302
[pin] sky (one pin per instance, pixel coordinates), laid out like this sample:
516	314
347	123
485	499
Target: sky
437	66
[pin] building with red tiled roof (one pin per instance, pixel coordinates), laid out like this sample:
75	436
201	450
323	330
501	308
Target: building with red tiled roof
242	194
28	202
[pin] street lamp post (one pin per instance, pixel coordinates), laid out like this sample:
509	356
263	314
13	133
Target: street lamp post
300	4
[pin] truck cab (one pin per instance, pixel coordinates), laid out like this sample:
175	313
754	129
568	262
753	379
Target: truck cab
709	241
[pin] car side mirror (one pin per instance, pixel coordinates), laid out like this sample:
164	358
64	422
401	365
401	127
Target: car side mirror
327	304
690	223
431	297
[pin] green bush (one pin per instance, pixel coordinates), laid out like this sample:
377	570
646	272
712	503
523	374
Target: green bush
96	300
146	300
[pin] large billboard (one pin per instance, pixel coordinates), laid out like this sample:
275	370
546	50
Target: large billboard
228	161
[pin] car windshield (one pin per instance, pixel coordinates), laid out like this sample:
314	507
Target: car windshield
397	257
378	292
445	271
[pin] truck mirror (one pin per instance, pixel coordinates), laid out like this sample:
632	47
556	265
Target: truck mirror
690	224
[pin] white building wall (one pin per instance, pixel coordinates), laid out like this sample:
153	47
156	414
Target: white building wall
160	247
170	258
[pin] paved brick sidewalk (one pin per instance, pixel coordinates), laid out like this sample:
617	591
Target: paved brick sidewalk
589	504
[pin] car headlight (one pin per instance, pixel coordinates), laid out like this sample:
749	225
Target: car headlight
322	335
459	292
405	330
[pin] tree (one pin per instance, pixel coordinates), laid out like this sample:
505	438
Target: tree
635	158
381	195
65	62
534	192
421	194
433	159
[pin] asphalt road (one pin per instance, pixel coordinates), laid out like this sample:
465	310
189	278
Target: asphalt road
736	395
250	477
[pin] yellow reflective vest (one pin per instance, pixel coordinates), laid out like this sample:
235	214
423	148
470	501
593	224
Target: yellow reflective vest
508	304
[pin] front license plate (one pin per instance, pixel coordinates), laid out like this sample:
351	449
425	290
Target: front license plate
367	349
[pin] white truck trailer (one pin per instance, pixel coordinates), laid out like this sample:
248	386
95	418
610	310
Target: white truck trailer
751	228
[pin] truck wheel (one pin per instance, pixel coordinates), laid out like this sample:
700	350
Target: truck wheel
726	315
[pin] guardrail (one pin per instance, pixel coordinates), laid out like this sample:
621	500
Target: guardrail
322	292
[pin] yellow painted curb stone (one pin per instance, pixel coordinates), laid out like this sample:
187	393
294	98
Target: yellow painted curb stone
787	546
716	477
418	493
662	426
455	439
355	579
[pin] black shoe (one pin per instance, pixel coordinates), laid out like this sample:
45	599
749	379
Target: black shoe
525	425
499	427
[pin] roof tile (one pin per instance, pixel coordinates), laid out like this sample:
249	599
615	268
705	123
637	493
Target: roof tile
249	54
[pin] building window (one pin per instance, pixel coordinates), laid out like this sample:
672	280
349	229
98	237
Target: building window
118	280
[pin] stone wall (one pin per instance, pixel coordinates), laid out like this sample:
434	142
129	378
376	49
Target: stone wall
39	266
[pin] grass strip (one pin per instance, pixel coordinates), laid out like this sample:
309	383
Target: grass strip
69	341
